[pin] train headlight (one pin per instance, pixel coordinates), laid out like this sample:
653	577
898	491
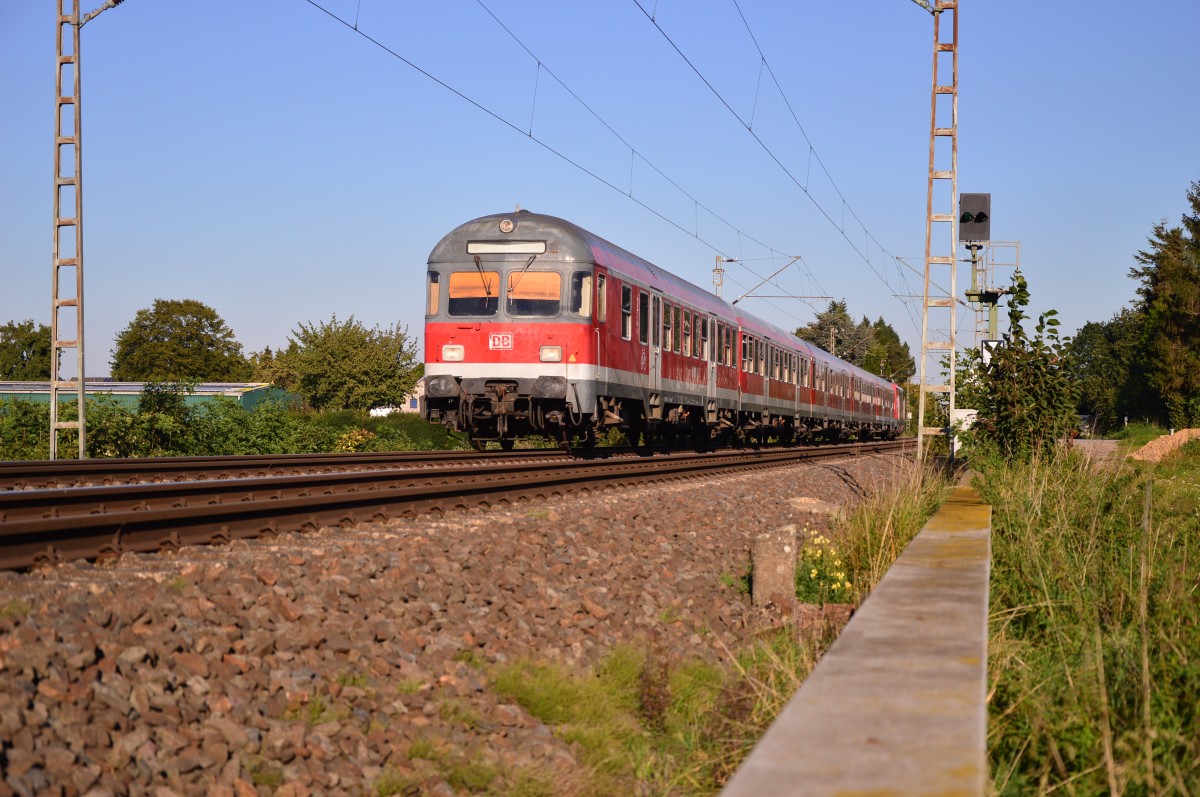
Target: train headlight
452	353
550	354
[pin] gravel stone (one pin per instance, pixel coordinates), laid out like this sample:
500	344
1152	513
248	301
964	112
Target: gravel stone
314	662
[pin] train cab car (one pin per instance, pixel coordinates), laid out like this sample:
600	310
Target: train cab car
509	343
535	326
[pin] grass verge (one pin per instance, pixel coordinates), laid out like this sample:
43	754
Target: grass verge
1095	627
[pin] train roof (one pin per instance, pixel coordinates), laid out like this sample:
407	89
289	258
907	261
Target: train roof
575	244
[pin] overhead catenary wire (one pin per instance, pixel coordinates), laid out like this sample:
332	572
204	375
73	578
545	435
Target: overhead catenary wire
635	155
803	186
528	133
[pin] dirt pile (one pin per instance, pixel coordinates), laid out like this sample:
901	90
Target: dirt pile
1158	448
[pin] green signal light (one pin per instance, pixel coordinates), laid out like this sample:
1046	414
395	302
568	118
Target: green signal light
966	218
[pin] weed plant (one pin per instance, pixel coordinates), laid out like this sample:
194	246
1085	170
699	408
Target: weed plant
646	724
821	575
1094	651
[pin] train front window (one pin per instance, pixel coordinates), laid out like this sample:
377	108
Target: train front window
581	294
534	293
474	293
431	305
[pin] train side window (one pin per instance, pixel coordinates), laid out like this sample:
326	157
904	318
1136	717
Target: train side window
761	359
474	292
626	312
729	345
431	305
745	353
643	317
687	332
705	351
677	324
696	335
581	294
666	326
534	293
601	298
656	321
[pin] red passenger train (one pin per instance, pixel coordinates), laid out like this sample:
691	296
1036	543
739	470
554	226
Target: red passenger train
535	326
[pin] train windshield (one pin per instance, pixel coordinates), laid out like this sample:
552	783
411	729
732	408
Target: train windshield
534	293
474	293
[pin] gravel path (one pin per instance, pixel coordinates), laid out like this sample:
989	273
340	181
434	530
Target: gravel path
319	663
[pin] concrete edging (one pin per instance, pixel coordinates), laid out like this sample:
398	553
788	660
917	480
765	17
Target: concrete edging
897	705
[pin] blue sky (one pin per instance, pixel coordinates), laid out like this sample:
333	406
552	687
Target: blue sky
271	162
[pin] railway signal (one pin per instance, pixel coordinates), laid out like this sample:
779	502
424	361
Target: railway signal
975	217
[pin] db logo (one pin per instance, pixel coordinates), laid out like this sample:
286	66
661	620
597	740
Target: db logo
500	340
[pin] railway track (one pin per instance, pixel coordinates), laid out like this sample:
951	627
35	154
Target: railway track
91	472
48	525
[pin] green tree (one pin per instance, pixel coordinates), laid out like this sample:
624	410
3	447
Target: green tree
1170	301
1026	396
24	351
835	331
1107	362
887	356
338	365
276	367
178	341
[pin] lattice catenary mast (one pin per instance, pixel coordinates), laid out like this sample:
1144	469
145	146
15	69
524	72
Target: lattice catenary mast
67	253
931	346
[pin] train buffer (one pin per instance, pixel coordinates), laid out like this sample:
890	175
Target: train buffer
897	705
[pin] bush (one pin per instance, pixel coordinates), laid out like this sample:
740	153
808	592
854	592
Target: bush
1025	395
24	429
164	425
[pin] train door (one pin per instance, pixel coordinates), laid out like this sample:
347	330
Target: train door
711	345
601	318
656	344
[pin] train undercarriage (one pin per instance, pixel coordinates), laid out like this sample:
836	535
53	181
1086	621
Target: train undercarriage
502	412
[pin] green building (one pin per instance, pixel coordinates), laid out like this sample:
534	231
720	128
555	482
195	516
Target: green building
247	394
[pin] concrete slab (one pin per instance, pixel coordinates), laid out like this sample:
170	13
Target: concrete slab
897	706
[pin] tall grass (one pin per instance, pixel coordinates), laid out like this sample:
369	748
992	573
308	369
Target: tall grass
883	525
1094	652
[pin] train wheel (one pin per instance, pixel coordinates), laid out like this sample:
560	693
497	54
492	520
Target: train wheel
478	444
506	445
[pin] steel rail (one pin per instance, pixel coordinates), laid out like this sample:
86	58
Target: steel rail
272	508
31	474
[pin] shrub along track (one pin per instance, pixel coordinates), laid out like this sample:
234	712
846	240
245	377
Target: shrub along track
56	524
